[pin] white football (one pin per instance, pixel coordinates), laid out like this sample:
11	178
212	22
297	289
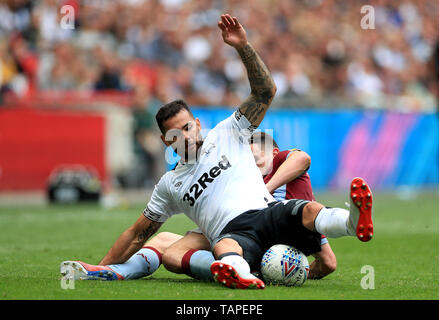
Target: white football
284	265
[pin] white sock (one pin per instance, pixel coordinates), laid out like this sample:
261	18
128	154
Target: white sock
241	266
333	223
143	263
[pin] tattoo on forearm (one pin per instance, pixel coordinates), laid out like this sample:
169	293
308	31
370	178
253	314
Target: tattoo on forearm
261	83
252	109
149	231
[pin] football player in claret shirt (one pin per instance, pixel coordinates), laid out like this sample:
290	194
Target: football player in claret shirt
285	176
218	186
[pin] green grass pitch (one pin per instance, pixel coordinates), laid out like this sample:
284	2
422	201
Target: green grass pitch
34	240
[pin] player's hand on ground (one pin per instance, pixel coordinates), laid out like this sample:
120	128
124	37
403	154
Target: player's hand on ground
232	31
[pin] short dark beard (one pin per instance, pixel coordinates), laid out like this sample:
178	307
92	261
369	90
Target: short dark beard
199	144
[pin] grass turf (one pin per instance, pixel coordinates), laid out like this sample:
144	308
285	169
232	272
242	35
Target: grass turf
34	240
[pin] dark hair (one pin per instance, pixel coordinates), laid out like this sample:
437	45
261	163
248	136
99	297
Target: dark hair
262	138
169	110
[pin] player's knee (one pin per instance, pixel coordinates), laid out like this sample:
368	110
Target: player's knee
167	236
309	214
171	260
226	245
163	240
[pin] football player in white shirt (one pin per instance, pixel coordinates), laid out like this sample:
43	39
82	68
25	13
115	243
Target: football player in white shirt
191	254
218	185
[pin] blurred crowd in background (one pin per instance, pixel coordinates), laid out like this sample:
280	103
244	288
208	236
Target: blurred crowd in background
155	51
316	50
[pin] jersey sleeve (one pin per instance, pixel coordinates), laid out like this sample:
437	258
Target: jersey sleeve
279	159
277	162
160	206
237	125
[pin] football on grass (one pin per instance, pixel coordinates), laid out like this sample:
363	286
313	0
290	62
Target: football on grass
284	265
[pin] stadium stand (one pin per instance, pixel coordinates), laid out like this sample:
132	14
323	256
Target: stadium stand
121	55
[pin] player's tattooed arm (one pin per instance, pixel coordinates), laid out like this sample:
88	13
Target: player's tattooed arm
148	231
262	86
131	241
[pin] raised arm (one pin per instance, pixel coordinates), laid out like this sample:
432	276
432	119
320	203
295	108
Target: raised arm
262	85
131	241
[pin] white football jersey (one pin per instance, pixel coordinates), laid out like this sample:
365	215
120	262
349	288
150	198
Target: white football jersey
223	183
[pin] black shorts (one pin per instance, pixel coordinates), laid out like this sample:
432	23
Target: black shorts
280	223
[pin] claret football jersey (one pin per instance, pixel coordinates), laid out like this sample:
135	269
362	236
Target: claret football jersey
299	188
223	183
